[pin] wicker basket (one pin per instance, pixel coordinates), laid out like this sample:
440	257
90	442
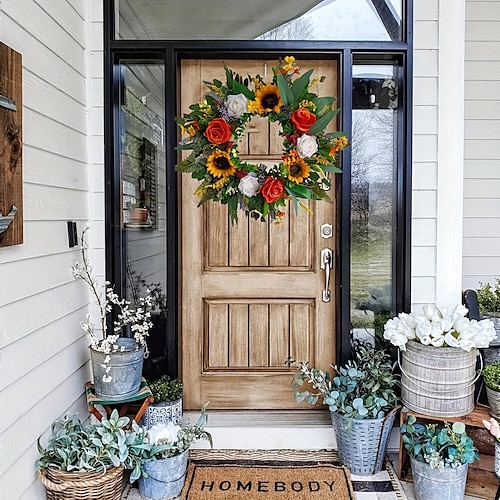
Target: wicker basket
100	485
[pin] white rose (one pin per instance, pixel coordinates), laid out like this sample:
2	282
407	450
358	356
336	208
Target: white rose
236	105
306	146
249	185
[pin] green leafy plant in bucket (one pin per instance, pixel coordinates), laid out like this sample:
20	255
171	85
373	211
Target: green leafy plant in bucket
491	375
439	446
488	297
364	388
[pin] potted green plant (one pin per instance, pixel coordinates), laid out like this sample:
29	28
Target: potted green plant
491	379
362	400
488	298
88	460
117	358
164	457
439	457
167	406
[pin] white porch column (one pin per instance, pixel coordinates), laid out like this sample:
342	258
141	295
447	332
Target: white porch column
450	152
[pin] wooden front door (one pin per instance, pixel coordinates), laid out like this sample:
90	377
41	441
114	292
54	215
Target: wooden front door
252	293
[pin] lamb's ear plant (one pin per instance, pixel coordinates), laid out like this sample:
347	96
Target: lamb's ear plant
491	375
75	446
439	446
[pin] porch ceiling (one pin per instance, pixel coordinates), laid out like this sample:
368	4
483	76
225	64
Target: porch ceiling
208	19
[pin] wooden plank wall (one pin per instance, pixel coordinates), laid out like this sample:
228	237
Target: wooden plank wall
481	252
43	351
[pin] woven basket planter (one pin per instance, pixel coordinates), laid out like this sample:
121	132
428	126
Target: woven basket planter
101	485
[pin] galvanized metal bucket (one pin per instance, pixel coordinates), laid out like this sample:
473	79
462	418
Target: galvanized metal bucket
438	381
362	443
165	479
125	370
445	484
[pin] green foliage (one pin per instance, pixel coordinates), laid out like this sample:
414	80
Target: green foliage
438	446
491	375
74	446
166	389
488	297
362	389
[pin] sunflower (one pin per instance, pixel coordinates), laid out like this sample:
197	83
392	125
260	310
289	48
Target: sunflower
219	164
298	169
267	99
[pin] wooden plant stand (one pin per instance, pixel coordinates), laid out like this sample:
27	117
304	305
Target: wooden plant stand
134	406
481	479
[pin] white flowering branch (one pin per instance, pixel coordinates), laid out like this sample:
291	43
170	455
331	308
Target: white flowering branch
136	317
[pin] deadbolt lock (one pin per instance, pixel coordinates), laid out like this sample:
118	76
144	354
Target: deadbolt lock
326	230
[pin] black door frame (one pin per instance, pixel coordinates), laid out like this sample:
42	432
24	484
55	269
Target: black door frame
170	52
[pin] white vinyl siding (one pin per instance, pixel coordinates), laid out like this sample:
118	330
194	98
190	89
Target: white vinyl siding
43	351
481	244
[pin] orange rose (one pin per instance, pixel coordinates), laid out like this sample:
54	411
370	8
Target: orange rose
302	119
218	131
272	189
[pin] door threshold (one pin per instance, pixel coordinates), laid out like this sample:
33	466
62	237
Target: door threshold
266	429
271	430
258	418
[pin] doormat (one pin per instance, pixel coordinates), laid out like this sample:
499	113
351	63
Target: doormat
383	485
251	480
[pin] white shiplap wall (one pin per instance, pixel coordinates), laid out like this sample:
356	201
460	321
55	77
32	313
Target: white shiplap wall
481	253
43	351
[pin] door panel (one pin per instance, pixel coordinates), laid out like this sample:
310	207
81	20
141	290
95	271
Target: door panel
251	294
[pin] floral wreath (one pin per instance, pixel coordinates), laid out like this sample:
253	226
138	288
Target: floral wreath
214	126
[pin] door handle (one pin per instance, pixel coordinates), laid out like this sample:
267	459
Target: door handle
327	264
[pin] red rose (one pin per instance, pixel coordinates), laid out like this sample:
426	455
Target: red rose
302	119
272	189
218	131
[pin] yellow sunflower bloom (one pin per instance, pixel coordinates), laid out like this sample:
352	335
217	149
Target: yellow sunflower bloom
267	99
219	164
298	169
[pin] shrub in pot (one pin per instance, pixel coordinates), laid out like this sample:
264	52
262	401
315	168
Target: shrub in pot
491	379
488	298
439	456
362	400
167	406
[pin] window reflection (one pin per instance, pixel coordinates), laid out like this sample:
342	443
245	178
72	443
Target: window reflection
373	195
143	197
370	20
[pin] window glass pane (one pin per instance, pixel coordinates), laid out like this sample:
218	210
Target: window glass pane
373	200
143	195
259	19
